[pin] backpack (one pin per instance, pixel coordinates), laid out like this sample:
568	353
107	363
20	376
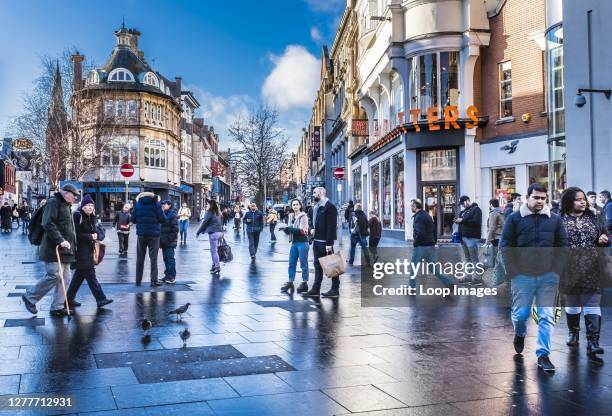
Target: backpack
36	232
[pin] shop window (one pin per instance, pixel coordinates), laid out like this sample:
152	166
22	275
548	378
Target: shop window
375	189
439	165
539	174
398	184
357	185
557	175
504	184
505	89
386	193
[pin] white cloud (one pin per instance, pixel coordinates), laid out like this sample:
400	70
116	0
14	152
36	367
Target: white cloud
316	35
294	79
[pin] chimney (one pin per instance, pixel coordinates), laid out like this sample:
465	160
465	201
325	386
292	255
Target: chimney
77	71
177	83
134	39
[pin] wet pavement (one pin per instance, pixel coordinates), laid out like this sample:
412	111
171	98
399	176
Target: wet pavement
253	351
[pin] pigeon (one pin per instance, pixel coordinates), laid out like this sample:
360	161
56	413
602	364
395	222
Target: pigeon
145	324
179	311
185	334
146	340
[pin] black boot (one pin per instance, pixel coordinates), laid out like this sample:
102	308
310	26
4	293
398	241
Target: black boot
573	325
593	325
287	287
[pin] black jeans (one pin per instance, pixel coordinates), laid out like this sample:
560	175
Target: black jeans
123	242
373	246
272	236
318	250
92	282
253	242
152	243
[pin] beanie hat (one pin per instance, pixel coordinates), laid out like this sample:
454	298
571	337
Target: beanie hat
87	199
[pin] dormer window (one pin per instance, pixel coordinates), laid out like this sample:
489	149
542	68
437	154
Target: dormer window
162	86
121	75
151	79
92	78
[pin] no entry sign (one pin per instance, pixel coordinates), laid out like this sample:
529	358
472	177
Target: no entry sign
339	173
126	170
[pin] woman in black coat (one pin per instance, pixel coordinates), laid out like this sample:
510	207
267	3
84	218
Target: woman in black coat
6	216
581	280
87	234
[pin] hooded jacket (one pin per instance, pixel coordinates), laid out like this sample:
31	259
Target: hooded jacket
532	243
169	229
147	215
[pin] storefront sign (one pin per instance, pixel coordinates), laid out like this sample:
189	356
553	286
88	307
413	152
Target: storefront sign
316	142
23	144
186	188
360	127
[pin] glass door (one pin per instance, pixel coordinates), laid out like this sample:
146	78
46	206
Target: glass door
440	202
430	199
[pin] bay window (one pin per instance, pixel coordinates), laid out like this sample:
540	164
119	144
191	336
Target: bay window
155	153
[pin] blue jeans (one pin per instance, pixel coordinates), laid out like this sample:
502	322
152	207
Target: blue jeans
298	250
470	248
169	261
25	223
544	289
428	254
183	225
363	242
214	238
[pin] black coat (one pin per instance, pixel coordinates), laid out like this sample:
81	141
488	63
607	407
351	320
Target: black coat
360	219
85	226
326	223
58	222
471	226
423	230
169	229
536	235
6	213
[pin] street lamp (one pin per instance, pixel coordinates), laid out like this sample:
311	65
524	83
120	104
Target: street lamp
580	100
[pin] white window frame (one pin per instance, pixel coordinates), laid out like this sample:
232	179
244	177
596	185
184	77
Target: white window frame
155	151
127	75
151	79
502	83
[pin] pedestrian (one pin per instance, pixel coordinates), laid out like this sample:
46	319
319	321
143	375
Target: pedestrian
271	220
606	202
254	220
470	224
148	217
122	224
6	216
592	200
59	230
581	279
25	213
324	223
184	216
287	212
297	230
348	213
202	214
84	267
359	233
513	205
554	207
167	241
15	214
534	272
213	226
375	227
237	219
424	239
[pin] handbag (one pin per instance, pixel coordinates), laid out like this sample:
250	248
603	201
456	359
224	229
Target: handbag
98	252
224	251
333	264
15	213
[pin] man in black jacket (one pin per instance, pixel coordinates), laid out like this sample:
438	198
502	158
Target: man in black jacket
531	248
424	240
147	216
470	230
324	222
168	240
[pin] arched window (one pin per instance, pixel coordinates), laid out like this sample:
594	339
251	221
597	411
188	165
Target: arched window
155	153
121	75
151	79
92	78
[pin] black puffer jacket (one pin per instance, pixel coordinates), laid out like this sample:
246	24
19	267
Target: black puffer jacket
471	226
169	229
423	230
85	227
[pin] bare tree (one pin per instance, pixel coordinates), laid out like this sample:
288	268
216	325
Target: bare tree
262	151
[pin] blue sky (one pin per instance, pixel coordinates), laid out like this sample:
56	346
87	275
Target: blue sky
233	55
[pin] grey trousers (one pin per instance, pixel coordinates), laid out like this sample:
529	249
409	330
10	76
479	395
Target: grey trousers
49	281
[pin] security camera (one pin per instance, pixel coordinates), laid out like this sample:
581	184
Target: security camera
580	100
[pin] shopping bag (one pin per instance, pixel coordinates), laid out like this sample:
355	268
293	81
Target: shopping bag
224	251
333	264
98	253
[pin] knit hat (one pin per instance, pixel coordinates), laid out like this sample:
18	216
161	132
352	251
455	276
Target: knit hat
87	199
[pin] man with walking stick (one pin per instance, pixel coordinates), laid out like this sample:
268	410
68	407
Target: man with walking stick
57	249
